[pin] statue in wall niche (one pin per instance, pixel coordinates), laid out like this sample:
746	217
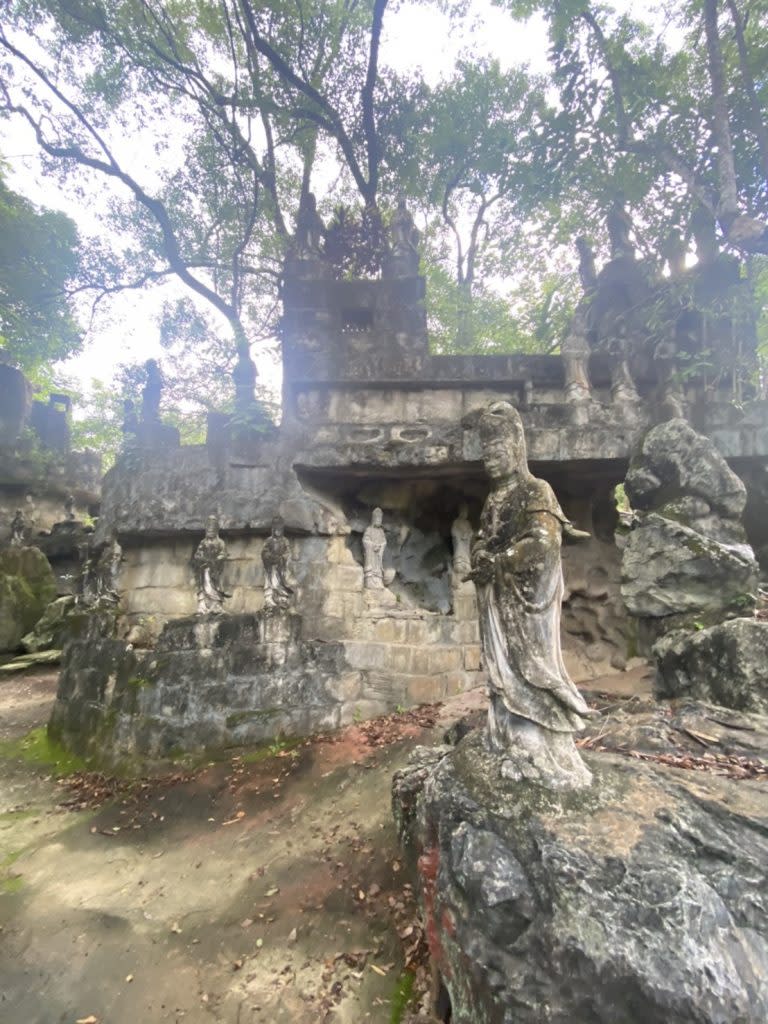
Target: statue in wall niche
404	237
208	562
278	592
587	269
374	543
153	390
461	535
534	706
310	230
619	227
18	537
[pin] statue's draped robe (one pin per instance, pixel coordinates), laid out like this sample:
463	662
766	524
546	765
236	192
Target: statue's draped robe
277	588
520	611
209	563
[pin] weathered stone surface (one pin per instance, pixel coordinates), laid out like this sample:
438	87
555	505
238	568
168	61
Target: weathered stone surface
597	906
50	632
669	569
674	461
27	586
726	664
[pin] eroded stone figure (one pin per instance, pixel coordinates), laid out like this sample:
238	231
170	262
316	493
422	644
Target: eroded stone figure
69	508
208	562
107	572
278	591
244	375
18	529
534	706
310	230
405	242
461	535
374	543
152	392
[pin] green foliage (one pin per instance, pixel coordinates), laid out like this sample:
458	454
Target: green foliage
39	262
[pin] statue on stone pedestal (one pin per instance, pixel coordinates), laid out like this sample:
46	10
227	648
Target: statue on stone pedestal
619	227
278	592
575	351
534	707
130	424
374	542
69	508
208	562
153	390
244	375
310	230
461	535
404	261
18	537
587	269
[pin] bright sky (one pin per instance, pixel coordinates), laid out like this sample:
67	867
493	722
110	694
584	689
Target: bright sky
415	36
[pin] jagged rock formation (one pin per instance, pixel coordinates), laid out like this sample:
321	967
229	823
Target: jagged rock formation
643	898
27	585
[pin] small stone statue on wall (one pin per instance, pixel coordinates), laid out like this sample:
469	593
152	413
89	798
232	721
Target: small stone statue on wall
108	571
374	543
278	592
244	375
18	537
461	535
208	562
152	392
405	243
310	230
516	567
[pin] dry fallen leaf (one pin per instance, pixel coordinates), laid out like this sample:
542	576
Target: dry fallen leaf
88	1020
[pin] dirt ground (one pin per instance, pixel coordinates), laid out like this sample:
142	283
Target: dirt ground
264	888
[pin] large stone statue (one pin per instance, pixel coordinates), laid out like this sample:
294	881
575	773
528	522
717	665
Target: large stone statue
208	561
374	542
461	535
534	707
18	537
274	557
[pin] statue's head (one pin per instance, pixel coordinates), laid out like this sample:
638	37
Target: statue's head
377	517
211	526
503	441
278	526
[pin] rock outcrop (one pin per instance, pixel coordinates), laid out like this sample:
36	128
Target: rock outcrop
687	563
643	898
726	664
27	585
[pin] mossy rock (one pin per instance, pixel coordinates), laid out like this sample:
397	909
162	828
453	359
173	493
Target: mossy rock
27	587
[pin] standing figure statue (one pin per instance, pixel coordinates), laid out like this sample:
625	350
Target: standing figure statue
69	508
18	537
405	243
152	392
461	535
374	542
534	706
619	227
208	562
587	269
108	571
274	557
244	376
310	230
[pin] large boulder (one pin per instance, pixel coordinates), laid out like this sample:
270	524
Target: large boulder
669	569
674	462
51	630
726	664
643	898
27	586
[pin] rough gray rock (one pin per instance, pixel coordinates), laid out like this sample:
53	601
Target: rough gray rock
669	569
674	461
643	898
27	586
726	664
50	632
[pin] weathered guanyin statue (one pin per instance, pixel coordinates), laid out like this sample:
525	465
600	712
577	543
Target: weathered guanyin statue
534	707
374	542
208	562
274	557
